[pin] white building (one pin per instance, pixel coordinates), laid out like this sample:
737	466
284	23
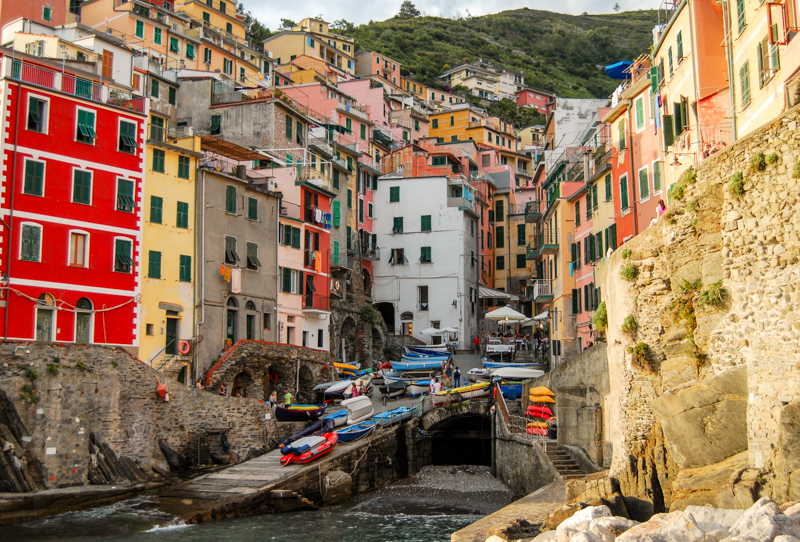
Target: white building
428	272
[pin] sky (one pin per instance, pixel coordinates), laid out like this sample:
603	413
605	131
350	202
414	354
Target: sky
270	12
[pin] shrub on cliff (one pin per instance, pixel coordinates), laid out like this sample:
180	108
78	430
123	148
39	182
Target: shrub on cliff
639	353
713	296
629	272
629	325
772	158
626	253
736	188
758	161
600	318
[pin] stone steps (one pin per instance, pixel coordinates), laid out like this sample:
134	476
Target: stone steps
563	462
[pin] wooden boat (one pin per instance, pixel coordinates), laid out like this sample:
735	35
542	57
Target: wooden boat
407	376
299	413
354	432
358	409
338	418
393	389
428	349
420	387
474	391
474	375
417	355
418	364
516	372
311	449
397	415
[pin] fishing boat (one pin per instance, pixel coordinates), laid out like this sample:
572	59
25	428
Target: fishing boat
299	413
336	391
406	376
363	384
393	389
396	415
416	355
476	374
421	387
516	372
474	391
418	364
309	448
428	349
497	362
354	432
358	409
338	418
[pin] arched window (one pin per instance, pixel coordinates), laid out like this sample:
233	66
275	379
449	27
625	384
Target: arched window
406	316
47	300
250	306
84	304
232	303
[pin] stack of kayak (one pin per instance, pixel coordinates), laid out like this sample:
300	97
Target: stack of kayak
299	413
454	395
538	411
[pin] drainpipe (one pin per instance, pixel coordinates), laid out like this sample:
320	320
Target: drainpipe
11	210
695	83
633	178
202	243
729	55
277	273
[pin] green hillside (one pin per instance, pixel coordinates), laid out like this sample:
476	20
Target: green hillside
558	53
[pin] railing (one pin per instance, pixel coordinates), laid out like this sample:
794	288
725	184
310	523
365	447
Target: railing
310	260
290	210
122	98
370	163
546	241
533	210
523	171
316	302
371	252
532	252
162	358
542	288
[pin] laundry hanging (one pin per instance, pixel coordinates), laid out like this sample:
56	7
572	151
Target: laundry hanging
236	281
227	274
318	262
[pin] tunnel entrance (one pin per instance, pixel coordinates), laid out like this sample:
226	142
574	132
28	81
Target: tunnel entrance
462	440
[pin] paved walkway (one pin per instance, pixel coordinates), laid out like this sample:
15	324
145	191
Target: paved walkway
532	508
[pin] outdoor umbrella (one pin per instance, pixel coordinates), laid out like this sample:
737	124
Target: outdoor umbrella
505	314
431	331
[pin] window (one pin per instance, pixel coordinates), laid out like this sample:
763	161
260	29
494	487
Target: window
159	157
34	178
156	209
337	214
231	257
37	114
85	131
360	210
640	114
267	321
157	36
173	45
349	199
216	124
669	61
369	210
397	226
229	28
452	120
425	255
190	51
207	54
609	194
680	48
173	99
77	249
501	263
425	223
127	137
522	262
439	161
139	29
363	131
182	216
644	184
288	127
154	265
252	209
82	187
656	177
623	192
227	66
185	269
435	123
183	167
252	256
349	125
500	233
422	293
47	14
125	200
578	213
394	194
154	88
122	256
230	200
30	244
744	82
740	11
622	136
397	257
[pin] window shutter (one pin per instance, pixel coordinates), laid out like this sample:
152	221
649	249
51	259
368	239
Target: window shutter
252	208
336	213
591	247
520	234
336	252
669	132
574	252
156	209
287	280
154	271
295	237
599	244
300	282
230	199
680	46
288	127
586	298
653	79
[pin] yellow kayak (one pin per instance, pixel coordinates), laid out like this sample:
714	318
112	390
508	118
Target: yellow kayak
472	391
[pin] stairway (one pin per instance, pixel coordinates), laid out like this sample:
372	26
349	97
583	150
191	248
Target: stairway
563	462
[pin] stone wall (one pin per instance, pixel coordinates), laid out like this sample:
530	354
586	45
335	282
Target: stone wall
689	387
64	393
519	463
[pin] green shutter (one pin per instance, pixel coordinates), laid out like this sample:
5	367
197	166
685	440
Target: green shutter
300	285
425	223
288	127
644	184
740	12
744	78
287	280
656	176
521	261
397	227
125	199
183	167
363	131
335	253
622	137
336	213
230	199
252	256
34	178
598	241
252	208
573	247
575	294
183	215
668	129
335	178
680	46
499	214
30	243
156	209
349	238
295	237
361	210
500	237
154	88
172	96
394	194
491	215
623	192
640	114
609	195
86	133
520	234
159	158
185	272
154	267
349	199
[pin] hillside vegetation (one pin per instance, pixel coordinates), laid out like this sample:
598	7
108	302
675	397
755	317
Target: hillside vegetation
558	53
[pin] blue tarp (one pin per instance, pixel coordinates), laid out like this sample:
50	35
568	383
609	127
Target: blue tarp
617	71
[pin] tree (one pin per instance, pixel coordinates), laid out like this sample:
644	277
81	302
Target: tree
408	10
343	24
287	24
256	32
616	7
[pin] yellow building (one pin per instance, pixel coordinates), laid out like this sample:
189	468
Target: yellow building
168	241
513	271
486	80
312	38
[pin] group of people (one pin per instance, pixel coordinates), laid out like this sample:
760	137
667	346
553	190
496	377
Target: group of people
451	375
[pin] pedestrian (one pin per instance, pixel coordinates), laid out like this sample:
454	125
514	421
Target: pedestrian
477	343
287	398
222	390
273	400
448	374
457	375
437	386
200	384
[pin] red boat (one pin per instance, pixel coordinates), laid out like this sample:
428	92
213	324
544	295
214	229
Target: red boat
309	448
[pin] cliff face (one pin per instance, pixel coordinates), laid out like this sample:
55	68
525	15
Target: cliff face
706	406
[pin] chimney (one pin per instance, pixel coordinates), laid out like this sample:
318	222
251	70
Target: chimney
241	172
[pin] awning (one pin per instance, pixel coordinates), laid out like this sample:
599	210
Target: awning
488	293
618	70
230	150
544	316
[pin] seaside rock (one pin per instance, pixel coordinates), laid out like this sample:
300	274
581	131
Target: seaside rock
665	528
711	519
786	538
608	529
175	460
339	488
560	515
580	522
545	537
586	536
757	522
516	530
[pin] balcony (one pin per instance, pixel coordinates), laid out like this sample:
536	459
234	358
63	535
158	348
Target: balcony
524	172
542	291
310	262
316	304
290	210
533	211
547	242
370	252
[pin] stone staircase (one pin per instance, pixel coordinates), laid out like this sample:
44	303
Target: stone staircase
563	462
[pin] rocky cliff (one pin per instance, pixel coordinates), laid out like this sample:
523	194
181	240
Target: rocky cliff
704	377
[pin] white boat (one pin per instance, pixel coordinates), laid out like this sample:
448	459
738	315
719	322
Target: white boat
420	387
358	409
516	373
428	349
476	374
496	346
473	391
366	380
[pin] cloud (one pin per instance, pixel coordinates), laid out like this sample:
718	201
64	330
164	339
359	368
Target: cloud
270	12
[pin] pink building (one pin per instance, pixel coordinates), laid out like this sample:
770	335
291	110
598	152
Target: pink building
372	63
536	99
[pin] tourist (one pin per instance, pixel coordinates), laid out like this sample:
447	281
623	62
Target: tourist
363	390
200	384
273	400
448	374
437	386
287	398
477	343
660	210
223	390
238	392
457	375
354	390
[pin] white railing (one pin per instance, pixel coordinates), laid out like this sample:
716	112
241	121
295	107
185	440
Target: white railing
542	288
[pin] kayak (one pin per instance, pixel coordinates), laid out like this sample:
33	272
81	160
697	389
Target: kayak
516	373
299	413
397	415
310	450
474	391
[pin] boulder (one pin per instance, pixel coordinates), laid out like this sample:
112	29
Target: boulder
586	536
757	522
579	522
608	529
711	519
704	422
710	485
545	537
338	488
786	538
665	528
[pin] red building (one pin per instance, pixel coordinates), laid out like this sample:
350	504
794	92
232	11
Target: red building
71	198
536	99
316	205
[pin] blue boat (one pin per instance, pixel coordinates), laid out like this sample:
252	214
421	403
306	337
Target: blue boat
422	364
416	355
393	416
354	432
509	387
420	387
440	349
338	418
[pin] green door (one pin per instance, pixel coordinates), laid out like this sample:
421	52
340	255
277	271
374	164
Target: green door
172	326
250	326
231	326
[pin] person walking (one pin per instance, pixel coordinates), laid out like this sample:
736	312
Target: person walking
287	398
273	400
457	375
448	375
477	343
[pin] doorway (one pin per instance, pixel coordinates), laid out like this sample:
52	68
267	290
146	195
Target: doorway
45	316
172	334
83	321
230	325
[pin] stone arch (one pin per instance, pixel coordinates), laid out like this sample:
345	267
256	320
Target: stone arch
387	313
377	344
460	435
367	280
348	333
307	383
283	379
243	383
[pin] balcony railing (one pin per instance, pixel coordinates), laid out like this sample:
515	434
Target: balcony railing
532	252
371	252
546	242
125	99
290	210
533	211
312	301
542	290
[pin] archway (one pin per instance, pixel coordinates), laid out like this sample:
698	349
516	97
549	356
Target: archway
304	394
243	385
367	282
406	321
387	312
462	440
348	333
377	344
277	379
